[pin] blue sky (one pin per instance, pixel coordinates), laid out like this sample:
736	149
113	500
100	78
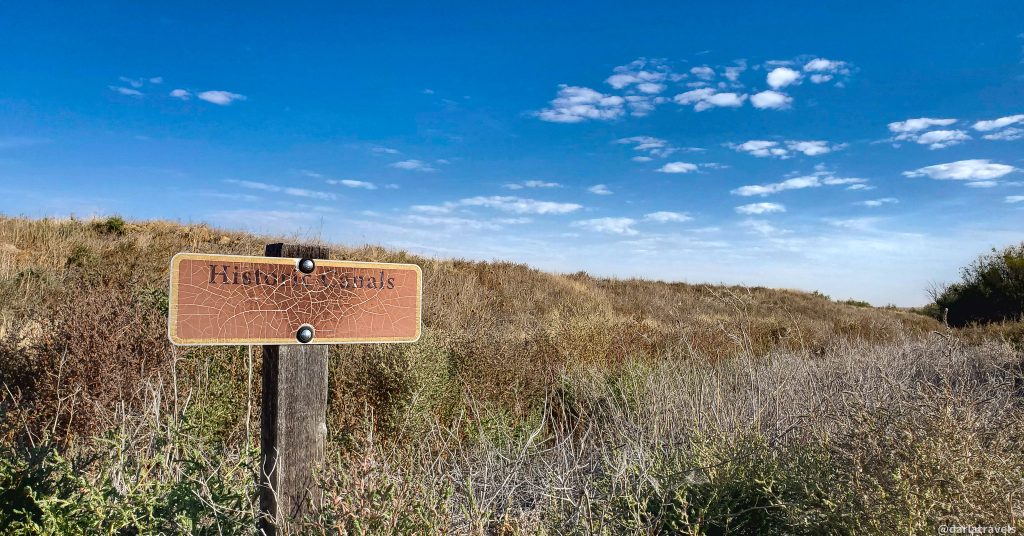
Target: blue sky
864	150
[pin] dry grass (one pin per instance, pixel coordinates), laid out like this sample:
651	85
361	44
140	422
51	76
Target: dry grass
535	403
77	294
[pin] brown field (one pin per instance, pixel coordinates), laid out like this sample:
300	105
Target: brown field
534	403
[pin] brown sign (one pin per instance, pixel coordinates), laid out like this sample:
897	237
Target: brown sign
230	299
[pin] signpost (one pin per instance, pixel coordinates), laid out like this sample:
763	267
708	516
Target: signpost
293	302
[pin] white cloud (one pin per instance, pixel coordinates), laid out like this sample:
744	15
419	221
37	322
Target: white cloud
156	80
296	192
911	130
126	91
575	104
963	170
705	98
815	180
665	216
641	159
919	124
520	205
517	205
703	72
1007	134
599	189
134	82
1015	199
796	183
678	167
349	183
727	100
825	69
767	148
641	105
762	227
453	223
760	148
618	226
531	184
655	147
645	74
221	98
940	139
385	150
180	94
760	208
769	99
413	165
857	183
855	224
878	202
985	126
810	147
781	77
982	184
733	73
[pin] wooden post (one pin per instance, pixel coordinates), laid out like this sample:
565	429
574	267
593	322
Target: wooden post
293	423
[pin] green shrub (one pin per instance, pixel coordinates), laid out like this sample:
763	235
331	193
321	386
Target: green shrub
991	289
114	225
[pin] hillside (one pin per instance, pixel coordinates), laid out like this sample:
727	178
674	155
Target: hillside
533	403
501	329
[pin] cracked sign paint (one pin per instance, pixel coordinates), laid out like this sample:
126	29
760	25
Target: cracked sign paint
230	299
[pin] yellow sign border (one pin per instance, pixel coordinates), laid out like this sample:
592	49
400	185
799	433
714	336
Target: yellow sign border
285	261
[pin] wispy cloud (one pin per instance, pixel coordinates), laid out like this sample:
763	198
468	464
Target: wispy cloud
127	91
414	165
220	98
575	104
706	98
915	130
180	94
599	189
760	208
774	149
1015	199
678	167
530	184
818	178
665	216
296	192
645	75
385	150
349	183
1006	134
824	70
654	147
762	227
517	205
453	223
616	226
981	172
874	203
993	124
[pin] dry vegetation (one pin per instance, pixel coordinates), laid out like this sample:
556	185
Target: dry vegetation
534	403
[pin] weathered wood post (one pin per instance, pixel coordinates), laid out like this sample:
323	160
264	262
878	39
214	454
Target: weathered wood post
293	422
294	301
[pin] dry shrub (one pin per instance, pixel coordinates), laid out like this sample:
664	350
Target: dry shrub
96	350
499	331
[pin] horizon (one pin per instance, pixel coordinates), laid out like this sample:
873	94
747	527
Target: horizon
860	151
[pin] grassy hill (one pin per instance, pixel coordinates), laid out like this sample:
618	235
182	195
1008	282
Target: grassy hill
534	402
